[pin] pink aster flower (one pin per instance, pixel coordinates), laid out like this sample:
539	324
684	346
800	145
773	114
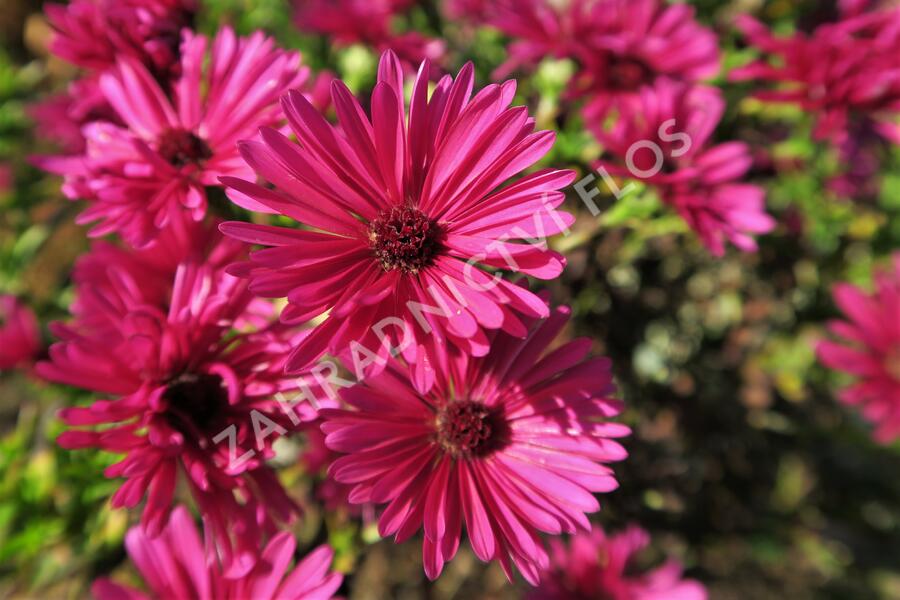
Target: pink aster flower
867	347
20	336
188	364
176	566
595	565
368	22
663	138
154	171
511	444
629	44
95	34
840	73
406	213
620	45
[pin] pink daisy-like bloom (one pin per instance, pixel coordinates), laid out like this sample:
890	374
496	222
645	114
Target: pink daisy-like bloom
662	137
405	211
620	45
595	565
176	566
20	335
867	347
154	171
368	22
841	73
94	34
512	443
630	44
189	363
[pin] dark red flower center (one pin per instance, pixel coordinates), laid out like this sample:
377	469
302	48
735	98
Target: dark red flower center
180	147
404	238
467	429
628	74
195	403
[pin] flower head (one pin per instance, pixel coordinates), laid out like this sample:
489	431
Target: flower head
867	346
20	336
620	45
842	72
95	33
595	565
175	564
189	361
404	213
153	172
662	136
511	443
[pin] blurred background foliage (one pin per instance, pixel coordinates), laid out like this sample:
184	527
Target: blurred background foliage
742	464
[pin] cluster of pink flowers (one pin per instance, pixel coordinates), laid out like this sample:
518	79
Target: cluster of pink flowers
642	63
464	412
846	73
417	222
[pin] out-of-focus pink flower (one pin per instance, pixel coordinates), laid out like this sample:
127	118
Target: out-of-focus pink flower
20	335
95	34
189	361
595	565
367	22
868	348
512	443
629	44
176	566
153	172
662	137
406	213
842	72
620	45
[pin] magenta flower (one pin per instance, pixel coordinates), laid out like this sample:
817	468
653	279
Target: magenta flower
620	45
405	214
20	334
512	444
595	565
176	566
662	137
189	363
153	172
367	22
631	43
841	73
868	348
95	34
